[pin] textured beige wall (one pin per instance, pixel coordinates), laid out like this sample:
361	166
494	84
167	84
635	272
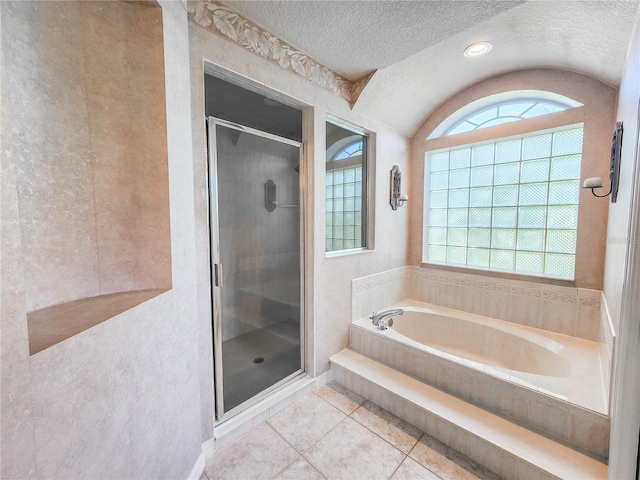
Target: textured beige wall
625	402
44	72
89	144
124	64
17	454
118	400
329	314
599	119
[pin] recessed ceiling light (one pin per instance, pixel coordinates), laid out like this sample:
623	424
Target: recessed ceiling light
477	49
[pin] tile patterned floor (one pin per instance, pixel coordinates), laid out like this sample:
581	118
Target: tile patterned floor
333	433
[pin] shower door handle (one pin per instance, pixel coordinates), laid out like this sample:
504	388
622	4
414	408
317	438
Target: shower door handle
217	274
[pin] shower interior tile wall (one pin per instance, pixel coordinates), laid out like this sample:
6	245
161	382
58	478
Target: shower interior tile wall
260	248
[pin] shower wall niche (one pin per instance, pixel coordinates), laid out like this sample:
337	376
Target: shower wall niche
85	125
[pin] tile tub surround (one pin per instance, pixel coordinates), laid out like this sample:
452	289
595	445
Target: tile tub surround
575	425
348	438
567	310
376	292
606	348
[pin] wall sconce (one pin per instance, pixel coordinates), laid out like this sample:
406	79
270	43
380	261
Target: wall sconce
397	199
614	168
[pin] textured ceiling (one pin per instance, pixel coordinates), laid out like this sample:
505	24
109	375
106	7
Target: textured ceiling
356	37
586	37
417	46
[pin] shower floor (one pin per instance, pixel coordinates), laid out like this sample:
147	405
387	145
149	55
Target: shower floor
279	347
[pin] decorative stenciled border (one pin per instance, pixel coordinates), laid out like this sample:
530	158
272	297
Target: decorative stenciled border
584	297
230	25
378	280
587	298
356	87
590	298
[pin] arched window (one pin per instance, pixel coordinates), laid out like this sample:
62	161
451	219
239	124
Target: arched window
351	150
508	204
505	112
502	108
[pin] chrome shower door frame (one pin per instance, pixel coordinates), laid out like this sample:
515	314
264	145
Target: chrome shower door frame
215	262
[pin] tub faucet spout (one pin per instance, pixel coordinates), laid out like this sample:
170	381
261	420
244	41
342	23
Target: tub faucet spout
383	320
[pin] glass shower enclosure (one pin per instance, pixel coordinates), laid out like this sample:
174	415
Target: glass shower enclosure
256	267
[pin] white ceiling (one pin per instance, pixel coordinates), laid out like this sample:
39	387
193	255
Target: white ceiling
417	46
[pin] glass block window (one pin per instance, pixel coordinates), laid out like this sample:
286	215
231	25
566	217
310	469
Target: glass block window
344	209
511	205
505	112
345	189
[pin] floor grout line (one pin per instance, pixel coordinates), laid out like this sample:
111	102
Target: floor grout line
356	421
375	433
294	449
399	465
301	454
328	432
314	467
350	415
424	434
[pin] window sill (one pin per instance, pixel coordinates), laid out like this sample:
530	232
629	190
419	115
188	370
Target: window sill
52	325
348	253
503	275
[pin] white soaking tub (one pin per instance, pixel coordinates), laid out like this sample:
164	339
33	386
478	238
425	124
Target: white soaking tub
554	364
493	344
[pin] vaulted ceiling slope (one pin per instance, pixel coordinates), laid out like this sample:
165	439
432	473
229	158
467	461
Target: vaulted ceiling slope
416	46
355	38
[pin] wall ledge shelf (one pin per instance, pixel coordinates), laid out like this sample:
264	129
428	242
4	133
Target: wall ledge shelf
52	325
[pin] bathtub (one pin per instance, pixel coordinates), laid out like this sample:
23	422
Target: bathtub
550	364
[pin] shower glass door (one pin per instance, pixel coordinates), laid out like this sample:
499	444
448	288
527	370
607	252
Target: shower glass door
255	214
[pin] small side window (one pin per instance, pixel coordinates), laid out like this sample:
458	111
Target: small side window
346	188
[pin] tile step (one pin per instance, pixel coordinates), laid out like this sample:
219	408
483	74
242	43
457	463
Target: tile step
509	450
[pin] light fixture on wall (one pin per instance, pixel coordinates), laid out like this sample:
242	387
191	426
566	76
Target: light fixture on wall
614	168
478	49
397	199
